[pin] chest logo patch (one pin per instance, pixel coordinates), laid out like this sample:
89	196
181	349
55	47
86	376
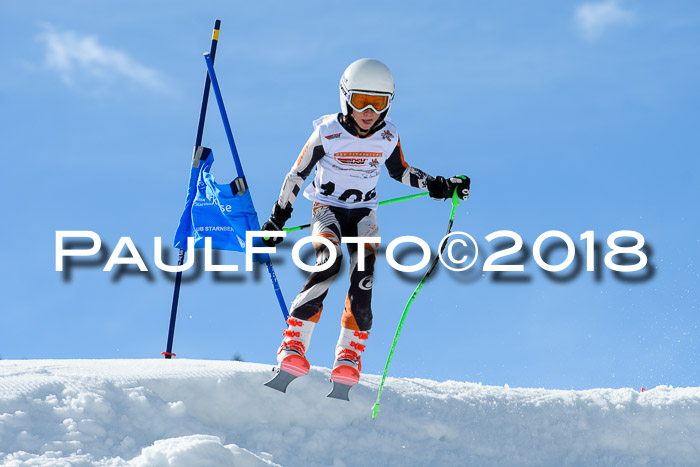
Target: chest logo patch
356	159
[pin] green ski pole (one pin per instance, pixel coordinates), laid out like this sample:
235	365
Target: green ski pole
402	198
455	203
381	203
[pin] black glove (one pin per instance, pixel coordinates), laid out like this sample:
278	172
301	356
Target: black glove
276	223
441	188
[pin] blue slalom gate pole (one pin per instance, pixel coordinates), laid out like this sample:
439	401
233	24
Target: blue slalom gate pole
198	141
239	170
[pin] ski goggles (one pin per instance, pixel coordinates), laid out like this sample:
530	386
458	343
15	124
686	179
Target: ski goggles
361	101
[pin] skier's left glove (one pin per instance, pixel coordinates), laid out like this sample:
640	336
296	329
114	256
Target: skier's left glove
442	188
276	222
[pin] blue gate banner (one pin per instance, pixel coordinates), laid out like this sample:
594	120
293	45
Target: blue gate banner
214	210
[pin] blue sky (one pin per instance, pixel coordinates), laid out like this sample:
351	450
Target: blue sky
570	116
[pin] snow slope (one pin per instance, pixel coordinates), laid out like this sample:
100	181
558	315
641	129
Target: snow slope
209	413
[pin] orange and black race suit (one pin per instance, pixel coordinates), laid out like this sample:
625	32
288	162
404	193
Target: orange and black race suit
344	193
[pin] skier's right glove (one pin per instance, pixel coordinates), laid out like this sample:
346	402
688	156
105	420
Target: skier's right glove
276	223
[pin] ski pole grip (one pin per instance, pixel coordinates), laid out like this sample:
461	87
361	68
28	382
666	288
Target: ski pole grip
455	197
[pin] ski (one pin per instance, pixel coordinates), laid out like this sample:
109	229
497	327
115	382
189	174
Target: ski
342	382
291	367
340	391
281	380
343	377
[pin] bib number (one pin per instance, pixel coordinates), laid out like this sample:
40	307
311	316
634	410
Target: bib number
328	188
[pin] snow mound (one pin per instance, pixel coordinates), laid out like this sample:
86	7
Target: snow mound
187	451
190	412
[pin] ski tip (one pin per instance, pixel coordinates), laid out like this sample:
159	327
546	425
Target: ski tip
281	380
375	411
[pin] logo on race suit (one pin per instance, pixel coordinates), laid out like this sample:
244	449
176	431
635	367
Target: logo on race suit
366	283
373	163
387	135
333	136
355	159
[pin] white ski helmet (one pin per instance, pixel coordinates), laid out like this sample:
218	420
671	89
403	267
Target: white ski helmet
372	84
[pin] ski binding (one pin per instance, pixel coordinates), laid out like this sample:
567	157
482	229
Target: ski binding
344	377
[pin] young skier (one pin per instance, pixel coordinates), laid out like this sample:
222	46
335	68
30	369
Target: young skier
347	150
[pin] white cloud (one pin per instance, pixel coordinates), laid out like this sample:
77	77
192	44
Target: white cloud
593	19
76	57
